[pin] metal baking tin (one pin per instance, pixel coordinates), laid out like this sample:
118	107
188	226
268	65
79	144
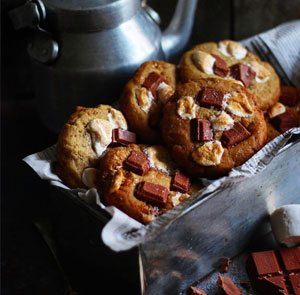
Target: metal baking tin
220	224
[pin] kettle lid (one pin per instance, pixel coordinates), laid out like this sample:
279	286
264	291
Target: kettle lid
89	15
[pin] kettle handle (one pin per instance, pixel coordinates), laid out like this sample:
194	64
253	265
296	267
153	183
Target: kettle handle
151	12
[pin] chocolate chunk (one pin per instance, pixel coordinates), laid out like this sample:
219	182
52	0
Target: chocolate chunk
295	282
196	291
286	120
123	137
152	82
224	264
291	258
289	96
228	287
180	182
210	97
201	130
220	67
243	73
153	193
272	285
235	135
137	162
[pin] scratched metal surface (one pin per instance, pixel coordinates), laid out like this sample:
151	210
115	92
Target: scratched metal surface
222	225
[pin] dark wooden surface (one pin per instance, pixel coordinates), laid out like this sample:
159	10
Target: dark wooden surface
28	267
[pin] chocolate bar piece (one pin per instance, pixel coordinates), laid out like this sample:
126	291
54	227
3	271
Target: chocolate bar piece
201	130
210	97
153	193
235	135
220	67
152	82
196	291
242	73
285	121
289	96
137	162
275	272
228	287
180	182
123	137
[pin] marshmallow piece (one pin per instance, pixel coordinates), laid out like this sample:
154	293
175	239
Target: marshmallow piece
285	222
204	62
89	177
187	108
209	154
116	119
277	109
239	105
262	73
231	48
222	122
178	197
164	92
144	99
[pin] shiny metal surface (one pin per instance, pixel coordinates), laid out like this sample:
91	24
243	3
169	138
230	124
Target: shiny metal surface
222	224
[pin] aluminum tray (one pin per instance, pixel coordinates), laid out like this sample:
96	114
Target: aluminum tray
220	224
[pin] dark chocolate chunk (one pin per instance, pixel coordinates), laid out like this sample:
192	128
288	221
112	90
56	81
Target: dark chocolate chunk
286	120
201	130
272	285
153	193
220	66
243	73
210	97
196	291
289	96
294	279
121	136
137	162
235	135
180	182
228	287
291	258
152	82
224	264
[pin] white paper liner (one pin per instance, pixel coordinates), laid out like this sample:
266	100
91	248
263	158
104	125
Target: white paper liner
122	232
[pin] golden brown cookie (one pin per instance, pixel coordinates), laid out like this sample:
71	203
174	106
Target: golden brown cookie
230	60
83	139
142	181
211	126
144	95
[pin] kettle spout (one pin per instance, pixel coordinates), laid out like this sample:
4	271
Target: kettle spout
177	34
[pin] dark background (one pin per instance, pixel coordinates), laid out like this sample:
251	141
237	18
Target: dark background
28	267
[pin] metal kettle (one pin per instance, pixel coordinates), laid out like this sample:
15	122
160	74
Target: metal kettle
83	52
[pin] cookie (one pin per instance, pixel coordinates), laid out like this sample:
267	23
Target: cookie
144	95
284	114
142	181
84	138
211	126
230	60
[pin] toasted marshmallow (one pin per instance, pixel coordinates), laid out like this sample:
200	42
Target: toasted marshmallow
89	177
239	105
209	154
277	109
204	61
231	48
164	92
116	119
117	181
222	122
100	131
178	197
159	159
262	73
187	108
144	99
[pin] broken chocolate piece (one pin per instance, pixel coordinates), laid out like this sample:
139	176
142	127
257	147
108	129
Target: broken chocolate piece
220	67
137	162
210	97
228	287
286	120
242	73
152	82
152	193
291	258
196	291
294	279
272	285
289	96
201	130
123	137
180	182
235	135
224	264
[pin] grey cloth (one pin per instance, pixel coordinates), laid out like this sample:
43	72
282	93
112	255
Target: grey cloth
280	47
